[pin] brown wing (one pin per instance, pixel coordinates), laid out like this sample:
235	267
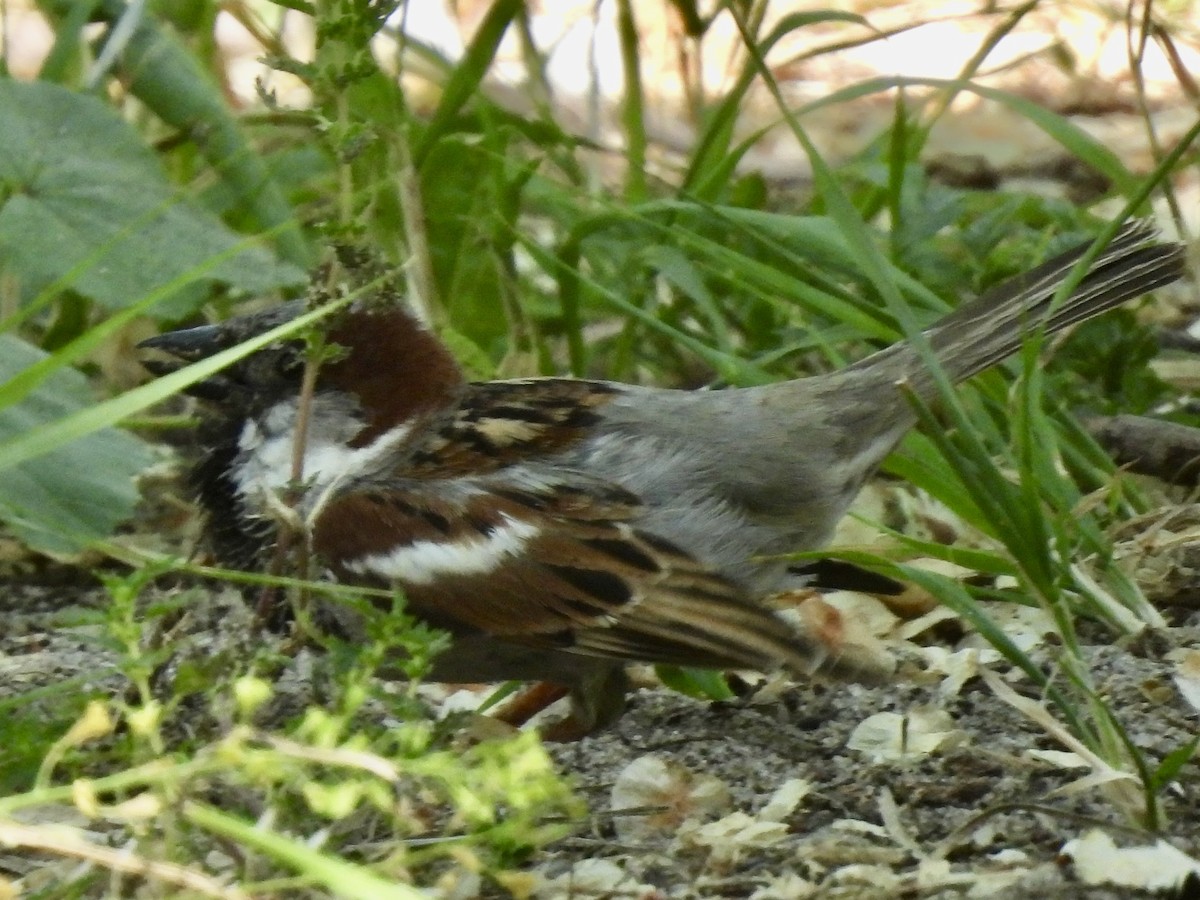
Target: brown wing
560	566
500	422
484	535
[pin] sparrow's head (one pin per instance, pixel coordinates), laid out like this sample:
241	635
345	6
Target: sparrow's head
381	361
384	373
254	381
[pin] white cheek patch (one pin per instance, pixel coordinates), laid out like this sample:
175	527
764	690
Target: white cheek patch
423	562
264	467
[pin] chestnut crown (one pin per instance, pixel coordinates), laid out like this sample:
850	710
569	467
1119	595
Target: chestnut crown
391	365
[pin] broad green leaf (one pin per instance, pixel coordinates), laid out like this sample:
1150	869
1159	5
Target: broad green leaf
464	229
84	203
704	684
62	500
156	67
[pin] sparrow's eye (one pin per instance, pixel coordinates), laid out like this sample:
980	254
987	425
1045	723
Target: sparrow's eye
284	361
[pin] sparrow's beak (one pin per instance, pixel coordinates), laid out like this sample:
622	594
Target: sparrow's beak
168	352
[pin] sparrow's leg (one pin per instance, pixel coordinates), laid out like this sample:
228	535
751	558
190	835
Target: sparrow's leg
596	702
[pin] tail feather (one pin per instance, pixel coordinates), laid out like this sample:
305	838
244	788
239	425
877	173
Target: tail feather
984	331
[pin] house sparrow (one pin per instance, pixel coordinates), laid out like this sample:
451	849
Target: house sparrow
559	528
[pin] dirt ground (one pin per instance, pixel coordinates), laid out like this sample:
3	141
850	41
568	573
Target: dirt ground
932	786
982	816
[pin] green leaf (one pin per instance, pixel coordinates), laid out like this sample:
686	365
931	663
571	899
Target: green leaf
61	501
468	74
464	230
161	72
1169	768
703	684
84	204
